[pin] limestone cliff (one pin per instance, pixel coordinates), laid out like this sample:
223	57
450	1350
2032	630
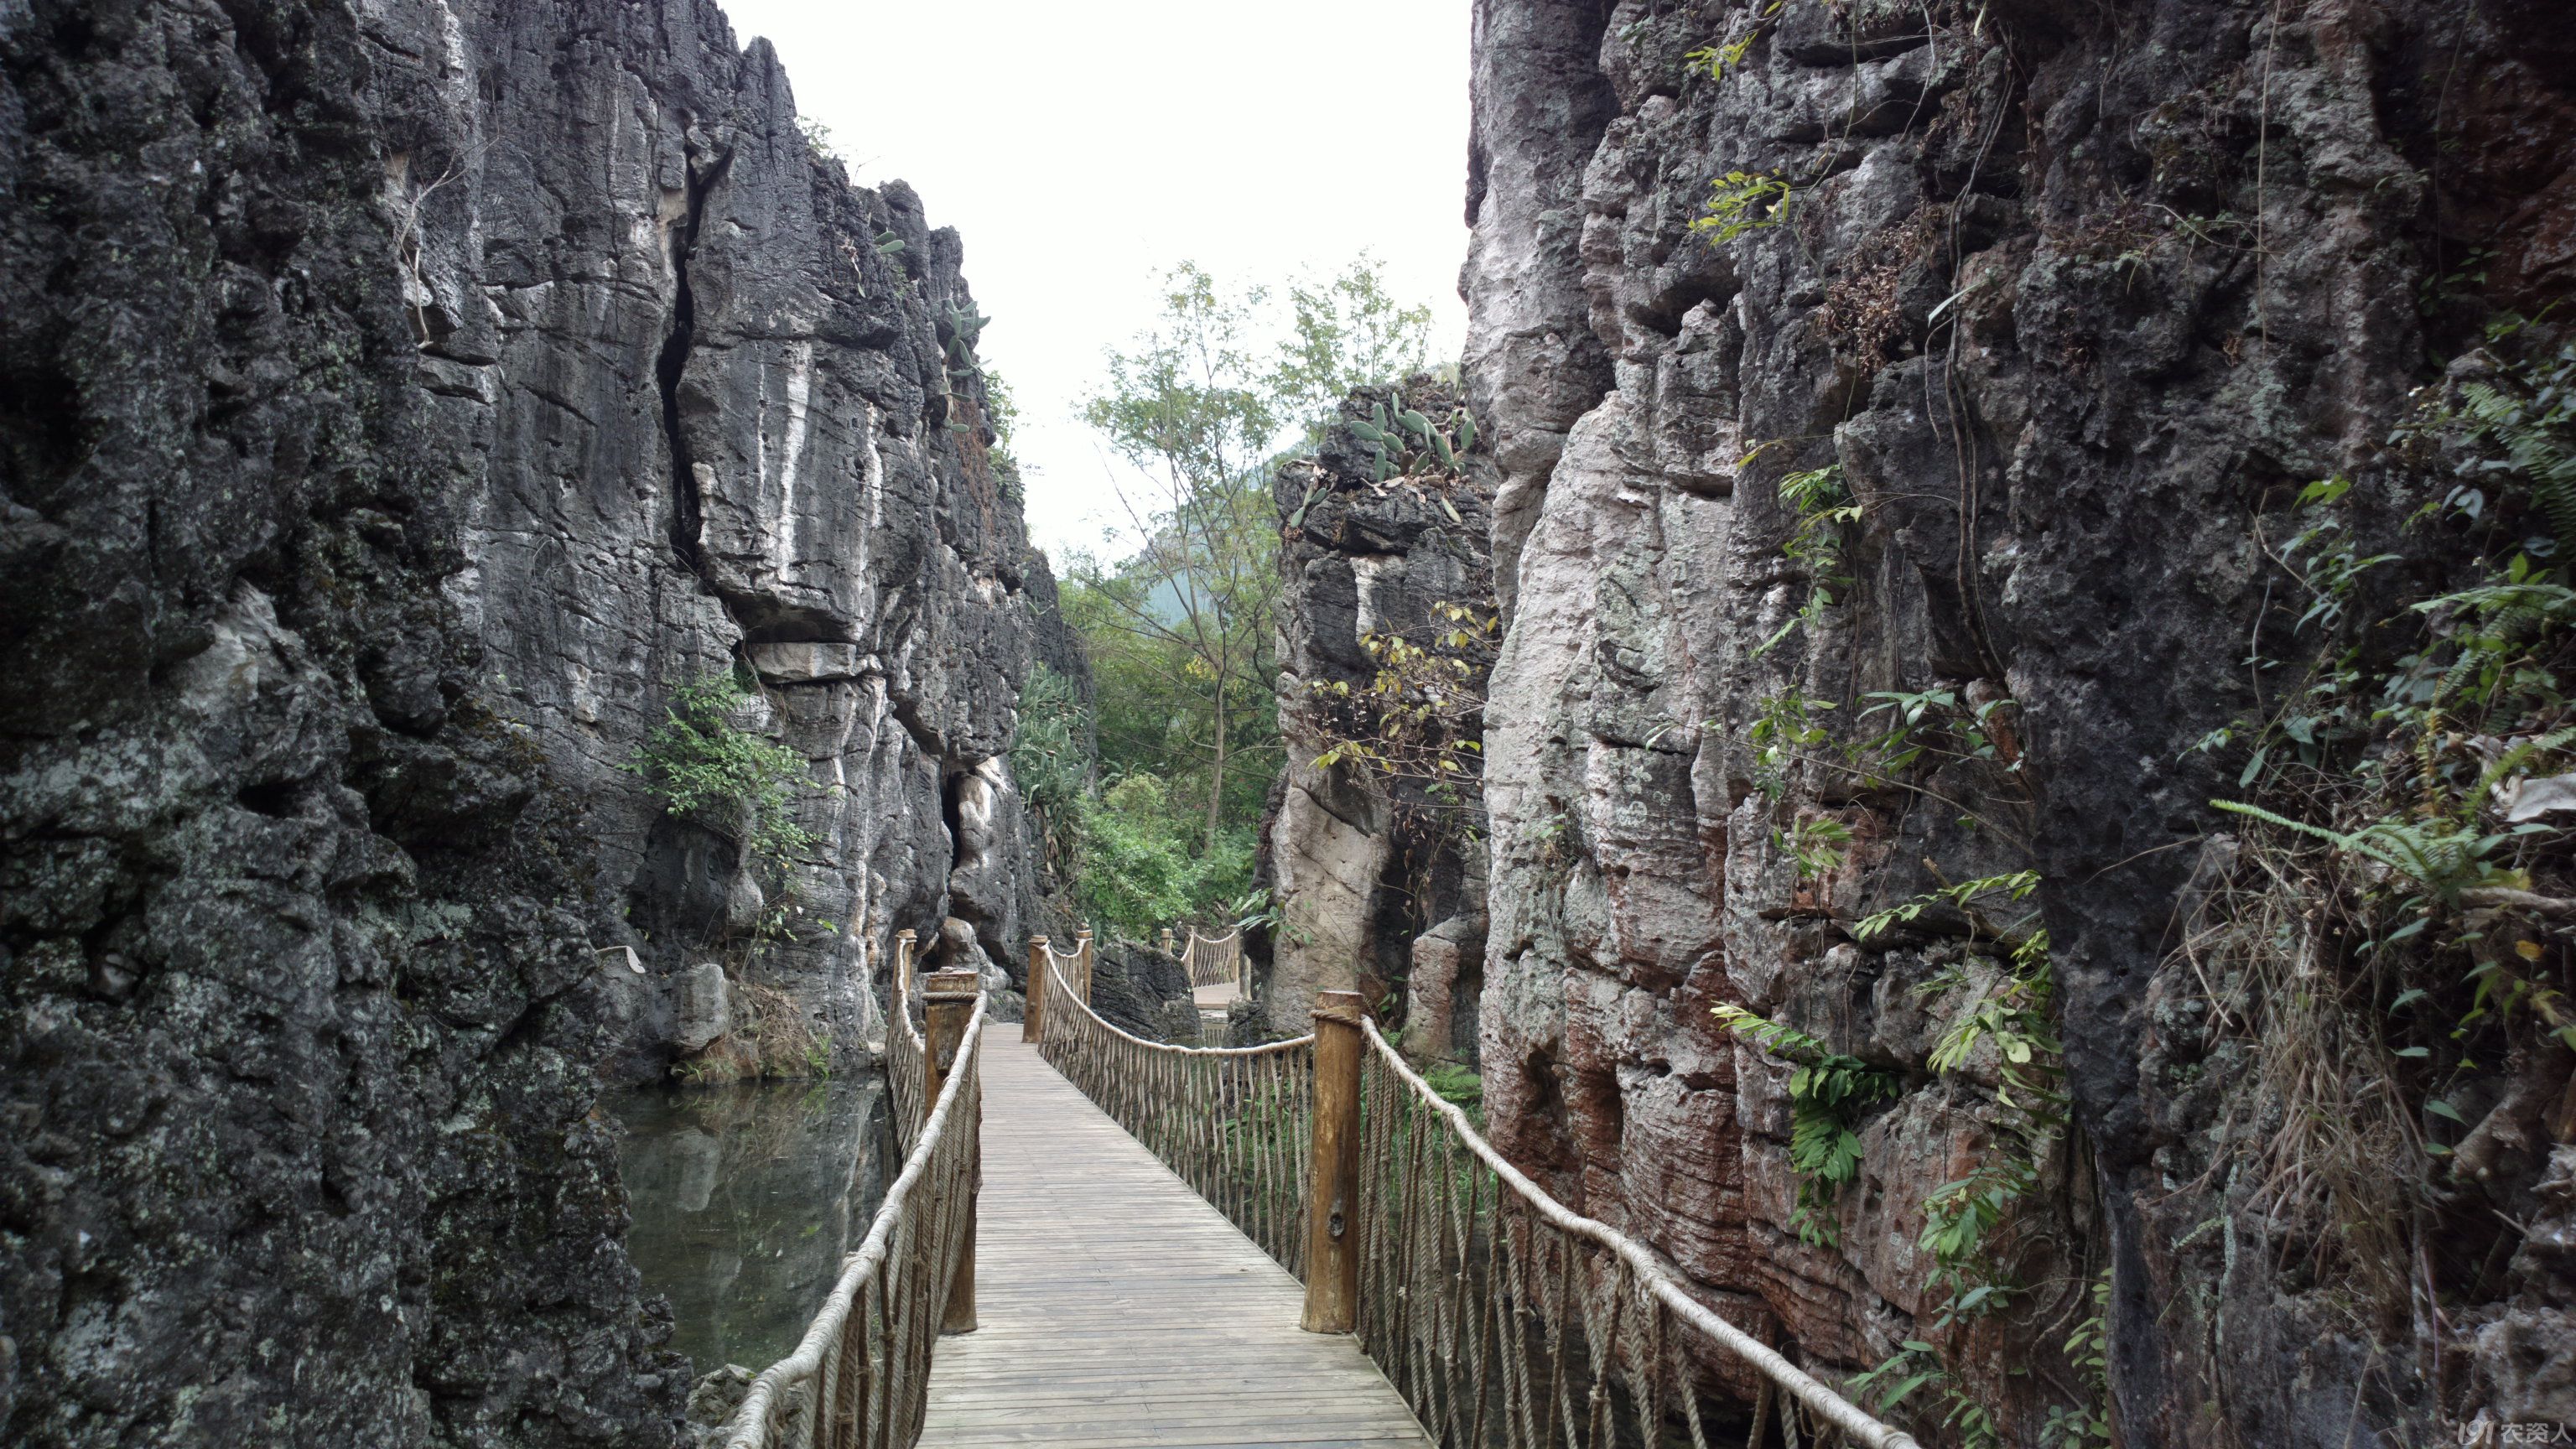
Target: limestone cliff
1378	864
2049	309
398	402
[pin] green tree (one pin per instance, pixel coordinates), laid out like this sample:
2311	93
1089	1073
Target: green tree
1139	870
1345	333
1193	408
1180	631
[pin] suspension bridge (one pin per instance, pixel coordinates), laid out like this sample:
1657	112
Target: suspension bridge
1105	1242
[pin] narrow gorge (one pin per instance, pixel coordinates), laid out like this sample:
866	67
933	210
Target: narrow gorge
1957	717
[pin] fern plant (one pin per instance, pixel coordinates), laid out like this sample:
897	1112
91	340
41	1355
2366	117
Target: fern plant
2532	424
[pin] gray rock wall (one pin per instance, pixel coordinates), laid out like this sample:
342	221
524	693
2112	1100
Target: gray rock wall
396	400
1379	877
708	403
1995	303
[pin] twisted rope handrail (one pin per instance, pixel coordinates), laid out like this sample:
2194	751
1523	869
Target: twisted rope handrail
1235	1123
1077	962
1506	1319
860	1377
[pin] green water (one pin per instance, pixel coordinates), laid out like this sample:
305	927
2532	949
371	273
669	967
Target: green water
745	1199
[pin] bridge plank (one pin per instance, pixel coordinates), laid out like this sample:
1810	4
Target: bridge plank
1118	1310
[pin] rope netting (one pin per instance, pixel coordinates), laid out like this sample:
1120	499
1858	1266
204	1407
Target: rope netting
860	1377
1506	1320
1214	961
1236	1124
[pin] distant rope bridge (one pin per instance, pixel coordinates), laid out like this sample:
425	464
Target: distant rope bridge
1212	960
1505	1319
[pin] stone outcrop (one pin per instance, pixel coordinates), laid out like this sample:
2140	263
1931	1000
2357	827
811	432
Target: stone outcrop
1143	991
1379	872
397	402
2067	295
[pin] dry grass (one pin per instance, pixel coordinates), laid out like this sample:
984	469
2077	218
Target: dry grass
771	1040
2324	1148
1862	310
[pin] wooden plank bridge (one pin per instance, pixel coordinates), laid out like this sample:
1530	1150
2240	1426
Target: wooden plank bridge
1118	1310
1103	1242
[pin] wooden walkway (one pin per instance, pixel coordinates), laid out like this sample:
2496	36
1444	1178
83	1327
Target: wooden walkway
1119	1311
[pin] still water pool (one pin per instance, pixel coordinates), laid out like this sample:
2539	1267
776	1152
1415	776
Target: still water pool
745	1199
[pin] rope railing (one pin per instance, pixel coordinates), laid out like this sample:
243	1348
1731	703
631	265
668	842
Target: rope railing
1236	1123
860	1377
1509	1322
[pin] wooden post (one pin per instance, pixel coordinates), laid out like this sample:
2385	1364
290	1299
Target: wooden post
1082	948
1167	942
951	1000
1332	1196
1030	1029
900	993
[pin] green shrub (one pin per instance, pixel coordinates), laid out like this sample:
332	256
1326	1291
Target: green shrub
1048	761
1742	201
1141	866
1459	1087
727	779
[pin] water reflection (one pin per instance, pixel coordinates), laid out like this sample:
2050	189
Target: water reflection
745	1199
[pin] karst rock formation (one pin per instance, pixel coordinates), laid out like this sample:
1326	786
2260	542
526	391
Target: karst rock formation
400	402
2067	302
404	402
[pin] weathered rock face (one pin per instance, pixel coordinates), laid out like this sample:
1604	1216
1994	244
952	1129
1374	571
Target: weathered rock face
2061	405
1379	871
711	404
396	401
1143	991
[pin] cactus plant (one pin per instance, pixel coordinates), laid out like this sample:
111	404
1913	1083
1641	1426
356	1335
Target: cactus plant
1404	441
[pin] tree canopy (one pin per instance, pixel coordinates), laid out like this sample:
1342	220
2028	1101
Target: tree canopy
1181	629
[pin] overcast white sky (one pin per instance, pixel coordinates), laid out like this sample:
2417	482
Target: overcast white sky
1083	146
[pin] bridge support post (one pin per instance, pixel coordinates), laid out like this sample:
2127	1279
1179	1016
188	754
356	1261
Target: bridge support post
1082	947
1167	942
1030	1026
950	1000
1332	1196
900	990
